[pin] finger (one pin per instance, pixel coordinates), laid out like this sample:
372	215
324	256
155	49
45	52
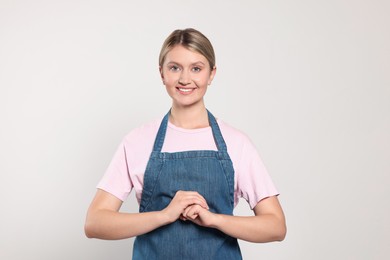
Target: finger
187	198
199	202
200	197
194	194
193	212
186	210
191	200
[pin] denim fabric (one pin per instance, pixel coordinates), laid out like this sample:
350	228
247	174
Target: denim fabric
211	174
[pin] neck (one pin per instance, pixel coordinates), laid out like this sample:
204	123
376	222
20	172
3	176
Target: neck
189	118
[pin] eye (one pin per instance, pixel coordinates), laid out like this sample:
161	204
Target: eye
174	68
196	69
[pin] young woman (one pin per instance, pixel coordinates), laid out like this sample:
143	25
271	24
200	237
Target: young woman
188	171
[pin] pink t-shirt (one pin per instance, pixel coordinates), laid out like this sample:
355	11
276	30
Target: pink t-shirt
126	170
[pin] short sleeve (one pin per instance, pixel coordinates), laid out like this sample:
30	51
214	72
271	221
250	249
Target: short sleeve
116	179
253	181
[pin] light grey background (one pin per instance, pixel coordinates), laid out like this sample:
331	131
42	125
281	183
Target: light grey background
308	81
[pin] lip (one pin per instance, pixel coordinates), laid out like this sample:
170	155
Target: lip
184	90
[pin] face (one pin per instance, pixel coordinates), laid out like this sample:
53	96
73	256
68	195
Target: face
186	75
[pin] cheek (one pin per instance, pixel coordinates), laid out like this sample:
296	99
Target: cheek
201	79
170	78
170	82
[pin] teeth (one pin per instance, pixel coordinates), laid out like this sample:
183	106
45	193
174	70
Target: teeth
185	89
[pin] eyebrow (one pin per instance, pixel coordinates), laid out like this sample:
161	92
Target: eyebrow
177	63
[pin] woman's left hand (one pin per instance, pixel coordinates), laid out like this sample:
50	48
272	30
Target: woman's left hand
267	225
199	215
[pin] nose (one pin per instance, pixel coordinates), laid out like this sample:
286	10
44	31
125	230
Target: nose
185	78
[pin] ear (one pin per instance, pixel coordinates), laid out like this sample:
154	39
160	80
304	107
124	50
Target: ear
212	74
161	74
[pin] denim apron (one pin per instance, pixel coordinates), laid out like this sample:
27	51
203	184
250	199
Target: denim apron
211	174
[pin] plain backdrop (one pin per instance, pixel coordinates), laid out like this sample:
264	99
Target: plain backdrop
308	81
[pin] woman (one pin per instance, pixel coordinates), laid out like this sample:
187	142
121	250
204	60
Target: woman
188	171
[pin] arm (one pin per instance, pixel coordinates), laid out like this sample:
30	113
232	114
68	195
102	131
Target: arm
267	225
106	222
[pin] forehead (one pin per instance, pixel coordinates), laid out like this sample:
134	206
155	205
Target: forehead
181	54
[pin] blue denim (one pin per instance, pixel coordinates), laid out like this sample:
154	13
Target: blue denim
211	174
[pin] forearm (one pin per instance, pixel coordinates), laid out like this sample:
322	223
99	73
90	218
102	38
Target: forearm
259	229
111	225
106	222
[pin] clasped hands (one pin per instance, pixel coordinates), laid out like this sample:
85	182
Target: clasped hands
190	205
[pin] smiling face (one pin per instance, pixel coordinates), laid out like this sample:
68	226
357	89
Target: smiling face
186	75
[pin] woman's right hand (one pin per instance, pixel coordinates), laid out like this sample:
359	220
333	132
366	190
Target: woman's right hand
181	201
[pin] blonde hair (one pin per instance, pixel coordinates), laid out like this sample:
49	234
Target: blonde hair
190	39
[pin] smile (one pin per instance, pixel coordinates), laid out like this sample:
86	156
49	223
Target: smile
185	90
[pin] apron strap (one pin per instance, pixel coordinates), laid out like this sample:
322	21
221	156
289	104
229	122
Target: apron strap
159	141
219	141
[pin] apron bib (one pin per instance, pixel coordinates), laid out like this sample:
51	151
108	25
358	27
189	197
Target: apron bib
211	174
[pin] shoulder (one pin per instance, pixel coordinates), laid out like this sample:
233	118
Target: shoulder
240	147
232	135
143	134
